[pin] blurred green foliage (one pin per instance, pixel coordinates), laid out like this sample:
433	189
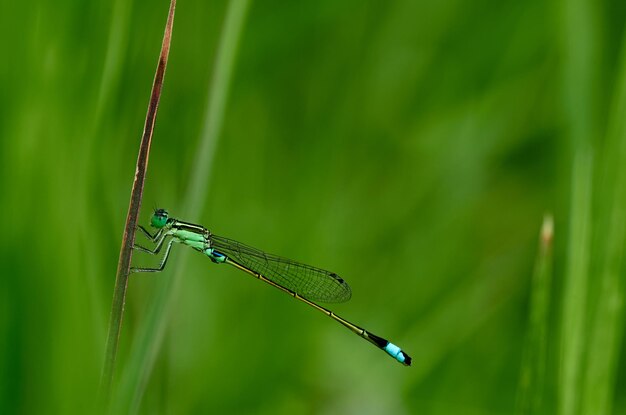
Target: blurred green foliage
411	147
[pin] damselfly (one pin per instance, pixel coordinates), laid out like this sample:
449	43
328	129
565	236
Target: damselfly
304	282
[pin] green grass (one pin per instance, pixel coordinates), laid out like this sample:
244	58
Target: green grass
580	53
411	147
534	374
607	319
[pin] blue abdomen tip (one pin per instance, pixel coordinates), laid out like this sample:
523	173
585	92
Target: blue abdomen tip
395	352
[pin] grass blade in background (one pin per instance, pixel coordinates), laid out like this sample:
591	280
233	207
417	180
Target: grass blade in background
111	73
149	339
579	68
123	267
531	393
607	329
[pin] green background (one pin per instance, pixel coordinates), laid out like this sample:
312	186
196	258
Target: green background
411	147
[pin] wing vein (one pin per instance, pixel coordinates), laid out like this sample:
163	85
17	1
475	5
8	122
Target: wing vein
310	282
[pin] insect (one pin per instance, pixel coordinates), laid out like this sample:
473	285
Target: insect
303	282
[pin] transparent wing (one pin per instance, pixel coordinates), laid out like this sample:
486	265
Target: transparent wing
312	283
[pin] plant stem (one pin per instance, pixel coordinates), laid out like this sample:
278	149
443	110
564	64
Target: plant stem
148	341
128	239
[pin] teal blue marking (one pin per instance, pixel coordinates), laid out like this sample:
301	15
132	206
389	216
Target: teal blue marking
215	256
395	351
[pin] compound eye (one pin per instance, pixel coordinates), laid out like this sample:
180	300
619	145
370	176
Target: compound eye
159	219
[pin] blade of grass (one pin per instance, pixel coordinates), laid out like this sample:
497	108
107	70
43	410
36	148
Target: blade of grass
607	329
532	379
112	68
579	49
145	349
128	239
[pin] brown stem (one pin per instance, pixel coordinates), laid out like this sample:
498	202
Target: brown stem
123	266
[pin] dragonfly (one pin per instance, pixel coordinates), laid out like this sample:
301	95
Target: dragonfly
305	283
